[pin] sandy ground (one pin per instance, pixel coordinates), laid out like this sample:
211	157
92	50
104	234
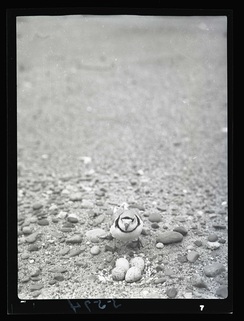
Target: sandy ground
145	99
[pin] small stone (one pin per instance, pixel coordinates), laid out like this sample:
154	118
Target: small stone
64	251
37	286
75	197
180	229
219	226
76	251
118	273
66	229
58	269
58	277
25	279
35	272
27	230
222	291
95	234
169	237
95	250
138	262
31	238
214	269
43	222
159	268
171	293
80	262
25	256
192	256
188	295
198	243
37	206
62	214
145	231
161	208
222	241
35	294
72	218
213	245
155	217
212	238
33	247
74	239
198	282
52	282
159	245
109	248
155	225
133	274
182	258
55	220
98	220
160	280
123	263
86	204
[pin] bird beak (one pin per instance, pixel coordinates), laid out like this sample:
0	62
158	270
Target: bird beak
126	226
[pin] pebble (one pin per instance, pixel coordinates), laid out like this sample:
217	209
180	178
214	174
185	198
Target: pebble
66	229
64	251
171	293
155	225
188	295
43	222
133	274
74	239
55	220
109	248
159	245
98	220
27	230
33	247
72	218
37	286
35	294
68	224
213	245
75	197
155	217
212	238
192	256
37	206
25	256
138	262
31	238
182	258
169	237
198	243
35	272
122	263
160	280
118	273
198	282
62	214
181	229
58	277
214	269
58	269
25	279
219	226
95	234
95	250
222	291
86	204
76	251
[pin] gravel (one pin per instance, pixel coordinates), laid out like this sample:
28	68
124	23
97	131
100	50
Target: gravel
137	118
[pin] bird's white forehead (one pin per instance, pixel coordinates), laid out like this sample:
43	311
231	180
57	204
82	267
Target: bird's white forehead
129	214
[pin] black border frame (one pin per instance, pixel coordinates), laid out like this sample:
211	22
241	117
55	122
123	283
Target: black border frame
135	306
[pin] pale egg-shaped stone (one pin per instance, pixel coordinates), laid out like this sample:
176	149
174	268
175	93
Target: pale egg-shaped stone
133	274
118	273
138	262
122	263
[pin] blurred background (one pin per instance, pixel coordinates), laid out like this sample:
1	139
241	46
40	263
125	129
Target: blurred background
128	91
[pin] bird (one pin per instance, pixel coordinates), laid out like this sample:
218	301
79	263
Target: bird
127	225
